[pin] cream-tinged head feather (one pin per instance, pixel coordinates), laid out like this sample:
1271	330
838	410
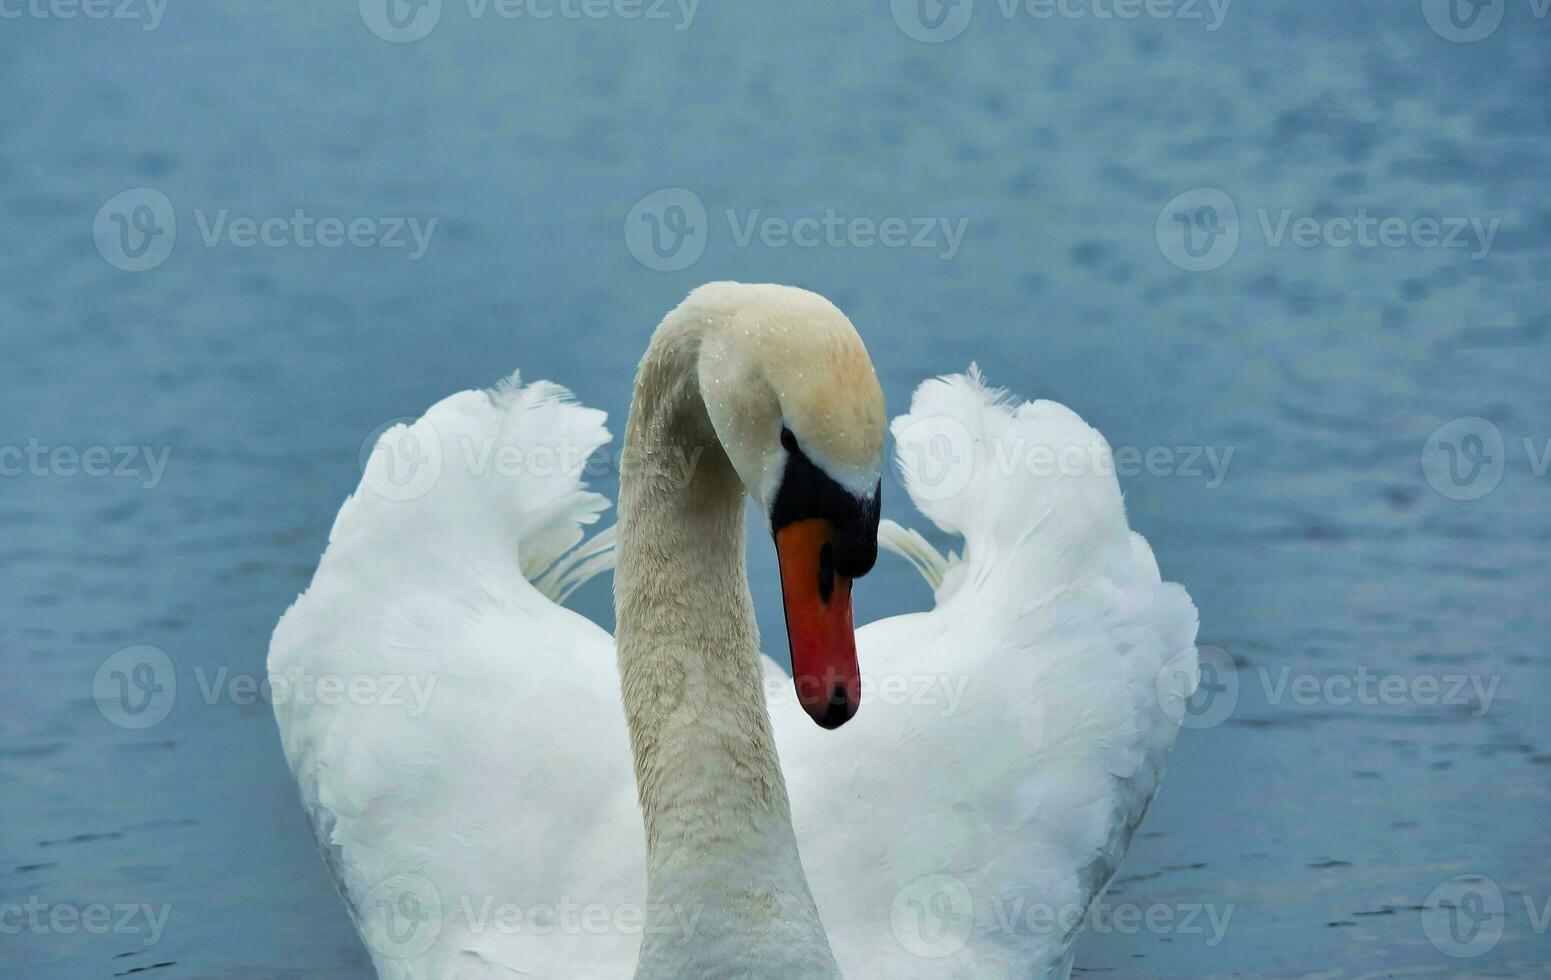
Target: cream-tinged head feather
777	356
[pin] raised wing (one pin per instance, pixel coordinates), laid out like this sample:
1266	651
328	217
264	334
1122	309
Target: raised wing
457	735
984	795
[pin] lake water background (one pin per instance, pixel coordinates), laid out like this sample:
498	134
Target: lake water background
1330	541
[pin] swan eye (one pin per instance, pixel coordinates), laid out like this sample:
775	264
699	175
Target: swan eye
788	441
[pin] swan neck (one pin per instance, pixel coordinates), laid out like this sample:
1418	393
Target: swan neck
719	839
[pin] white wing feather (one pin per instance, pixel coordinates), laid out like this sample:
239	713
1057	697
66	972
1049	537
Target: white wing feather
460	824
963	822
1014	737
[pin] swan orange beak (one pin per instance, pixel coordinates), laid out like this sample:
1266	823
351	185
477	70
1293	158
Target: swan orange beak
818	623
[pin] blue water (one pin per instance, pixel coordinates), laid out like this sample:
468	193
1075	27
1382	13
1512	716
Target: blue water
1321	825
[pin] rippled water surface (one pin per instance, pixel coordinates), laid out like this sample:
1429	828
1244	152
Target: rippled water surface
1322	558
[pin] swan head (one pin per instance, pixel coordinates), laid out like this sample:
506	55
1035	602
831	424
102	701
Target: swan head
795	403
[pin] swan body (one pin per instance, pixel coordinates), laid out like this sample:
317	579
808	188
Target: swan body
560	804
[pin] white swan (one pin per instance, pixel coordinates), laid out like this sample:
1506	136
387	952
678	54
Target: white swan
485	822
